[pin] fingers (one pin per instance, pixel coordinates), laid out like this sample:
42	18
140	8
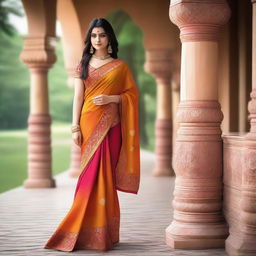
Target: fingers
78	139
100	99
78	142
75	141
99	96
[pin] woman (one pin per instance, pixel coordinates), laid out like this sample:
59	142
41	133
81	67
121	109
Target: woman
106	127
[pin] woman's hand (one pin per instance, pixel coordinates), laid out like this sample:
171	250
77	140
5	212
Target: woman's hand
104	99
77	138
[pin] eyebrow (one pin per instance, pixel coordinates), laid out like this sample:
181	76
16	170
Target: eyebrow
100	33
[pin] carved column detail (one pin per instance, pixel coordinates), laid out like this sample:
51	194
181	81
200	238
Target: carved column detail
240	177
252	102
198	222
38	55
158	63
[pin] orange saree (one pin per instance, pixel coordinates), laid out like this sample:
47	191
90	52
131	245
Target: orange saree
110	161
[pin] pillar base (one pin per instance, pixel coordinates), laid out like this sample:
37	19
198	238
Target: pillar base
39	183
197	236
236	247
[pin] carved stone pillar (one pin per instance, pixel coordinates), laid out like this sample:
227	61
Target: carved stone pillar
242	238
252	103
198	221
158	63
38	55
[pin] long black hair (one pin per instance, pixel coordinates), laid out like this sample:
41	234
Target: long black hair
97	22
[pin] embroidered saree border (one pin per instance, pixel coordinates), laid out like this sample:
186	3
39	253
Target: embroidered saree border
98	73
65	241
127	182
94	74
100	238
98	135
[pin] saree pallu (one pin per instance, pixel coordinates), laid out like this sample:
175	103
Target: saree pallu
109	162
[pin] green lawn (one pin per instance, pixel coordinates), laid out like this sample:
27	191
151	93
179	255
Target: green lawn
13	157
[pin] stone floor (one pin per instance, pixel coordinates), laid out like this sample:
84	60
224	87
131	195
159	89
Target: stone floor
29	216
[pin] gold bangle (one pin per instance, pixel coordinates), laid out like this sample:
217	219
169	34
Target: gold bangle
73	131
75	128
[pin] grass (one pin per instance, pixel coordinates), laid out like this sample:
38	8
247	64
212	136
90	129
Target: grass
13	157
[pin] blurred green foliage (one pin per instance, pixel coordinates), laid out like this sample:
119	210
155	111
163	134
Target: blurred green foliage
8	7
14	83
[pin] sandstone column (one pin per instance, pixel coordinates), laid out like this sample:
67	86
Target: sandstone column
242	238
175	101
252	103
158	63
198	222
38	54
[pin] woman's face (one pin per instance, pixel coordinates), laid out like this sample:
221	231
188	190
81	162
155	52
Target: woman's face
99	38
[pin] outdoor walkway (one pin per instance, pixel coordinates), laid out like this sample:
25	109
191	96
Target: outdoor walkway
29	216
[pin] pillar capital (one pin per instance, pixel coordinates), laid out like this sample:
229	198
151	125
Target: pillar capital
38	52
199	20
159	63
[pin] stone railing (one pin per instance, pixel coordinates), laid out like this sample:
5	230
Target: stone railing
240	193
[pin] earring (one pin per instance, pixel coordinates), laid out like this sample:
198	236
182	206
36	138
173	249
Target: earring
91	50
109	48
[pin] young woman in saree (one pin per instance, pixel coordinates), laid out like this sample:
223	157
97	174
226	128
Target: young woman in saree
106	127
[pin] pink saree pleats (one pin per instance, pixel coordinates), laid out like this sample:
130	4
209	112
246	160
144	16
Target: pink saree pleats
93	222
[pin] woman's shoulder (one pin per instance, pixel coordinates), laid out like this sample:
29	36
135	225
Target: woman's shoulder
77	69
122	63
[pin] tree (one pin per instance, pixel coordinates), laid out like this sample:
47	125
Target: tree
7	8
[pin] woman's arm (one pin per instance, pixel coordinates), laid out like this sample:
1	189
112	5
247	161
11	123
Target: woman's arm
77	106
115	98
78	100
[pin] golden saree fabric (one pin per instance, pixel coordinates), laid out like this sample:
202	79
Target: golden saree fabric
113	78
110	161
